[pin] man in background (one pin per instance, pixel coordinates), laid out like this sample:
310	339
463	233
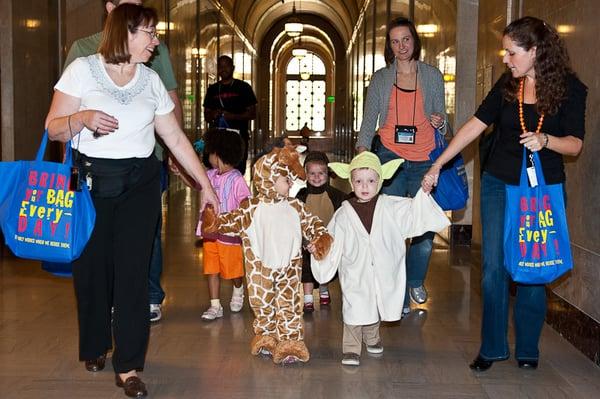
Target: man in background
230	103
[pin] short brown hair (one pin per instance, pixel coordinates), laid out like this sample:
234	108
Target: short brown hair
317	157
123	20
388	53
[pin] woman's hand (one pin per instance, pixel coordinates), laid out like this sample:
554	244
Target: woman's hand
534	141
208	196
438	120
98	122
361	149
430	179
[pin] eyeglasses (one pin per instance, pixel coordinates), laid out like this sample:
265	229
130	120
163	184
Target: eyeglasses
153	34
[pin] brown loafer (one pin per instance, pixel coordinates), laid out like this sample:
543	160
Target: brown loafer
96	364
133	386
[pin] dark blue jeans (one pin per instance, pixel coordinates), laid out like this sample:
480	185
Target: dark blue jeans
405	183
155	291
530	304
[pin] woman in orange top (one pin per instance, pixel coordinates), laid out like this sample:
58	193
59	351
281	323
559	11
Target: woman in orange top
406	100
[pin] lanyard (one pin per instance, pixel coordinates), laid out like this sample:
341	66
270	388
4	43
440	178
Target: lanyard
415	97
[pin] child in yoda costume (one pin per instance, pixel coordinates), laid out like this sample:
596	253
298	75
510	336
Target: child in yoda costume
369	250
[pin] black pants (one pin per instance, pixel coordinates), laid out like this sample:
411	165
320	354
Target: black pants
113	271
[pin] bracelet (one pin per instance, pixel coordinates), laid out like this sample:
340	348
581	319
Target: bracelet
69	123
545	145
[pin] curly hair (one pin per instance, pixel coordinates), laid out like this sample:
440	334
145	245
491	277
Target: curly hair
551	65
394	23
225	144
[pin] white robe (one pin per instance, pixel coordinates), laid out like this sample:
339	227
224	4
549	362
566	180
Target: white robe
371	267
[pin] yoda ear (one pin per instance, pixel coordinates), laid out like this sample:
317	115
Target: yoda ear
340	169
389	168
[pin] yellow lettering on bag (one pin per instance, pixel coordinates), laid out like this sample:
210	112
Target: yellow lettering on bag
23	211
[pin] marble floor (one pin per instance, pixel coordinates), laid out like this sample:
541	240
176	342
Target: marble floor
426	354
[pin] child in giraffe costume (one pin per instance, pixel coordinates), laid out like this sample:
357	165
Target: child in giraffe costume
272	226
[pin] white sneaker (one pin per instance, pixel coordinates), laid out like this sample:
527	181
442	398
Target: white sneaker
237	302
375	349
155	312
351	359
214	312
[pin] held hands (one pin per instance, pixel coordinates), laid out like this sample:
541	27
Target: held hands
98	122
320	247
430	179
209	220
534	141
209	200
437	120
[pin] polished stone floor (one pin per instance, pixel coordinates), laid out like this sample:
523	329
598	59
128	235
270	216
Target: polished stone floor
426	355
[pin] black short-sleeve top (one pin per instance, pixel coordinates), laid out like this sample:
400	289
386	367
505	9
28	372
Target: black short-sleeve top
505	160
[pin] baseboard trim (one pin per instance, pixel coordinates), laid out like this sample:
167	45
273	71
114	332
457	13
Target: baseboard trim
582	331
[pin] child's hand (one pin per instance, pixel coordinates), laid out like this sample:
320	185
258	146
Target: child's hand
209	220
320	247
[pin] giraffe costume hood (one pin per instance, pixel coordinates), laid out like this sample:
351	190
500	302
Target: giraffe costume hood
272	227
279	162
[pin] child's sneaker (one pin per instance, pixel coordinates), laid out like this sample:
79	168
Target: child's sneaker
375	349
155	312
309	307
237	302
214	312
324	299
351	359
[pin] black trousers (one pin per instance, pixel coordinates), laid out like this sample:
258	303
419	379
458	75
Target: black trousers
113	272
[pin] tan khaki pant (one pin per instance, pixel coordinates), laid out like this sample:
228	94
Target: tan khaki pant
354	336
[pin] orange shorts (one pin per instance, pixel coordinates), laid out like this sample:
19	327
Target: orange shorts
223	259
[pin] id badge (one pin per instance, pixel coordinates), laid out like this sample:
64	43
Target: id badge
532	176
405	134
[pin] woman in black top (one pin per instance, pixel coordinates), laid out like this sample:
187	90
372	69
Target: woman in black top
552	122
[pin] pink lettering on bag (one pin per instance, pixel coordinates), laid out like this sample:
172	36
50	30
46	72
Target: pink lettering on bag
546	202
22	224
32	178
37	230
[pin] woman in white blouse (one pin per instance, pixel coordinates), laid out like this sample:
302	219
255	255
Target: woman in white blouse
109	104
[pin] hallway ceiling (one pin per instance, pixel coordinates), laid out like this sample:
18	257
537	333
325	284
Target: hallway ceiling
256	17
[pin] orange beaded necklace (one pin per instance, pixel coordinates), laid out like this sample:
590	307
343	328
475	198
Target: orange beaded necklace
521	118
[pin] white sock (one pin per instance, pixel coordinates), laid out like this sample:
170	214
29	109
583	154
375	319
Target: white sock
323	291
238	291
308	298
215	303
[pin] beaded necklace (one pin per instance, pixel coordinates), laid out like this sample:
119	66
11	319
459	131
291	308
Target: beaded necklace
521	118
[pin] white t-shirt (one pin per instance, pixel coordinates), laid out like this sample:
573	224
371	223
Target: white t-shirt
133	105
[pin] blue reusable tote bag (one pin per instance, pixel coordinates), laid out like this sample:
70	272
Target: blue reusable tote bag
452	190
537	249
40	216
